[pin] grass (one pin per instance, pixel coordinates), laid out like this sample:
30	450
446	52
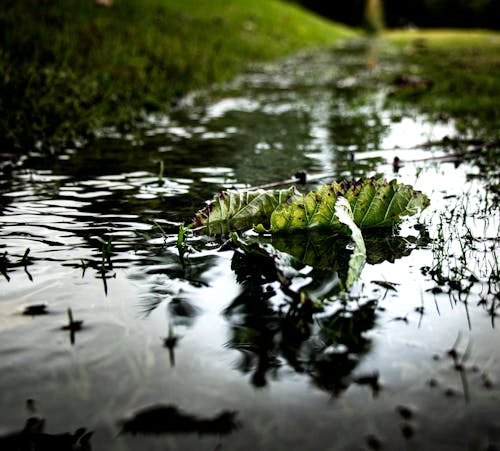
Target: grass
446	38
465	255
67	68
463	67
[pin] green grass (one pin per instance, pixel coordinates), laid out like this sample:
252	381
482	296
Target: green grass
464	68
446	38
69	67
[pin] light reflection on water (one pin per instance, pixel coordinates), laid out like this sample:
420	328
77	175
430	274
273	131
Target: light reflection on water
229	355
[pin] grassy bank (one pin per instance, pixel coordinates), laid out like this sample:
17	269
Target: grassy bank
463	68
68	67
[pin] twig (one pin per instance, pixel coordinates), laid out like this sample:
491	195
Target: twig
454	142
274	184
301	177
397	163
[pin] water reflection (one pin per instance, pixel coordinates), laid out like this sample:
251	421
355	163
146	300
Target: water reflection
389	245
6	264
328	349
289	312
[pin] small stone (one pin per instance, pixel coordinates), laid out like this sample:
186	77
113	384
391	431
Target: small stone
374	442
450	392
407	430
35	309
405	412
432	382
487	382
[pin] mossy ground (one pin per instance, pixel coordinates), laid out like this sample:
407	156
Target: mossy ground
66	68
463	68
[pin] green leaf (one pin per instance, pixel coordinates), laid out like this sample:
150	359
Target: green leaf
307	212
377	203
374	203
325	220
239	210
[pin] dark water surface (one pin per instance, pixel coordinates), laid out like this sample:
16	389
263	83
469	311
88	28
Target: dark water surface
204	354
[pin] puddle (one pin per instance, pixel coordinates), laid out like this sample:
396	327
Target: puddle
200	352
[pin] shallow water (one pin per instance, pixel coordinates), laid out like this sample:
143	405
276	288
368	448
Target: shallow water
374	370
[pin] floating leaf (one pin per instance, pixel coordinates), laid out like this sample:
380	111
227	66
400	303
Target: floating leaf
374	203
236	210
339	208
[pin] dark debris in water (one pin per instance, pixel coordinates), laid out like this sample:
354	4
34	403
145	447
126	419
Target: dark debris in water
407	430
33	438
169	419
387	285
407	413
411	83
374	442
35	310
371	380
473	376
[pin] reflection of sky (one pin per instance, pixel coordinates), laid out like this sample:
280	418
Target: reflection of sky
414	131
